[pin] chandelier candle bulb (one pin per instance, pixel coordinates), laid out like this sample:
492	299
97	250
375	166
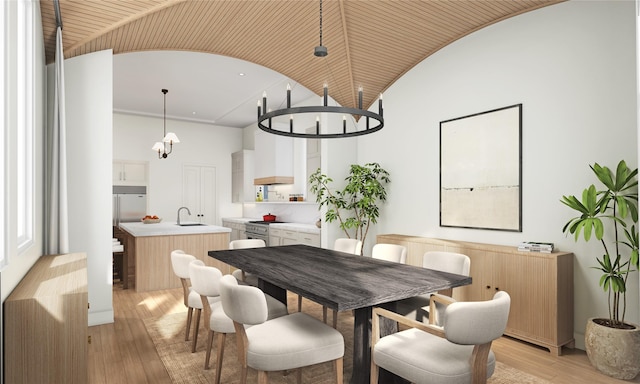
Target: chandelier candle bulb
264	100
291	123
344	124
360	98
258	109
325	97
317	125
288	96
380	105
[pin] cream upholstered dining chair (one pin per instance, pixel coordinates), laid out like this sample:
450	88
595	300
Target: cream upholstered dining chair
457	352
346	245
284	343
390	252
243	244
205	281
417	308
180	263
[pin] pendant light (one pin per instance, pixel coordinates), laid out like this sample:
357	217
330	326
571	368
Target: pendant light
161	146
266	116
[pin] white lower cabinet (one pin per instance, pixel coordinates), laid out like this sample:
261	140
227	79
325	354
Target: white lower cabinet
309	238
275	237
289	237
237	230
279	236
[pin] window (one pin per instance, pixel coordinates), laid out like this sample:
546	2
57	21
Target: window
25	127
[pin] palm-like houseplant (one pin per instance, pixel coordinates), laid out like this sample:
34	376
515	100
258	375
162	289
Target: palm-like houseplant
355	207
610	215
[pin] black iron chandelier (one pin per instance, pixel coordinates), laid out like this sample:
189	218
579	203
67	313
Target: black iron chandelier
266	117
161	146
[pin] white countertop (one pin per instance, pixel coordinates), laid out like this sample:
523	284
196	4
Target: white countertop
300	227
239	220
169	228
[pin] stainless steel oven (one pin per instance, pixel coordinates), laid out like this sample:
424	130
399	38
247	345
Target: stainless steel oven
259	230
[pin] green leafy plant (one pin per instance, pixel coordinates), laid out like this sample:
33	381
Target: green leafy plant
356	206
616	205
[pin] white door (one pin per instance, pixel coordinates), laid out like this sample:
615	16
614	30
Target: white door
199	192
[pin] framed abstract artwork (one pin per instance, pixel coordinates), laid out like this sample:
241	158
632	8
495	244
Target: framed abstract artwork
481	170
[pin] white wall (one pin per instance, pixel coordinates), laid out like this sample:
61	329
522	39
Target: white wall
200	144
88	87
573	67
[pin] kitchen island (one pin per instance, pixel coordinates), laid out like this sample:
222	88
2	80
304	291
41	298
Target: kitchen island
148	250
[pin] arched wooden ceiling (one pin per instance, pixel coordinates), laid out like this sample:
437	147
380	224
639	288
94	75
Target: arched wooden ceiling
371	43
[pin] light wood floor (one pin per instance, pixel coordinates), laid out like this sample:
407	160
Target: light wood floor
122	352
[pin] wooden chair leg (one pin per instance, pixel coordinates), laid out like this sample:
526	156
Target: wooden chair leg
338	367
207	358
189	318
263	377
335	319
243	374
299	376
195	330
375	371
219	355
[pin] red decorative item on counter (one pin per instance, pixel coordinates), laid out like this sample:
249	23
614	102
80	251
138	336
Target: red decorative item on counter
269	217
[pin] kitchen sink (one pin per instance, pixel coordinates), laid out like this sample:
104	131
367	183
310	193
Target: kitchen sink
190	224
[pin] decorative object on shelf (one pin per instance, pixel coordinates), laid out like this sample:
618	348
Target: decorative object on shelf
613	345
264	114
161	146
359	198
296	197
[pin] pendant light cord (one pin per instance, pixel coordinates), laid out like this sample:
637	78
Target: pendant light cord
320	22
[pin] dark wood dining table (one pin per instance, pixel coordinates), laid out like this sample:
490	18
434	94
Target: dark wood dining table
340	281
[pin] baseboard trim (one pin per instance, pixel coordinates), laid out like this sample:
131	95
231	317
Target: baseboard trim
99	318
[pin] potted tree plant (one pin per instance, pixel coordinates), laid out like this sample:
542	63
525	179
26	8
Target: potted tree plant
610	215
356	206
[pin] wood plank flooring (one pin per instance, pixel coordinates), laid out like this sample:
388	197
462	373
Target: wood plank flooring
123	352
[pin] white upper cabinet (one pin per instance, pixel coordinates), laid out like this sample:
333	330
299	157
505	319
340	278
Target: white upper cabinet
129	172
273	159
242	189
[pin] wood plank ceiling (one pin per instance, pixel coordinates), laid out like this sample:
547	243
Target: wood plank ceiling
371	43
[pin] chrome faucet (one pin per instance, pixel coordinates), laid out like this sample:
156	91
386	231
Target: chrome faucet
180	209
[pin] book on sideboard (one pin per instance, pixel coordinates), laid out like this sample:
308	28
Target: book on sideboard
533	246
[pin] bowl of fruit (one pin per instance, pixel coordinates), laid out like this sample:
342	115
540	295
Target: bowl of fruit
151	219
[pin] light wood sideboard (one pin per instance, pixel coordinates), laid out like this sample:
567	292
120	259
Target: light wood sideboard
46	323
540	285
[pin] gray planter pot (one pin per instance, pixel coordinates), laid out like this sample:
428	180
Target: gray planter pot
612	351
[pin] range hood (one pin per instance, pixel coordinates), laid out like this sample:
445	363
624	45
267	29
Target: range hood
273	156
273	180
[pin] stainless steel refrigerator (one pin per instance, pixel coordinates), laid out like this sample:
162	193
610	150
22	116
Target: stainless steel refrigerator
129	203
